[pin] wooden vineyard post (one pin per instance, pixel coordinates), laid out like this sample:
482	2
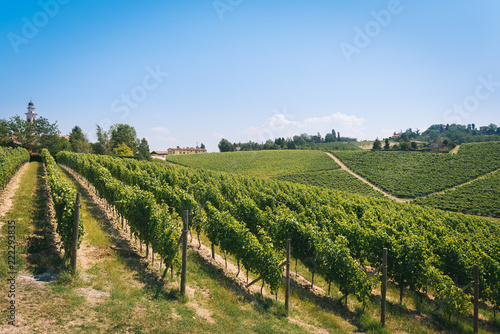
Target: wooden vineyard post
287	279
184	252
384	286
76	227
476	298
213	251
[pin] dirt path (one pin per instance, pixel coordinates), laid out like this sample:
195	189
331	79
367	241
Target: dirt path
344	167
461	185
10	190
455	150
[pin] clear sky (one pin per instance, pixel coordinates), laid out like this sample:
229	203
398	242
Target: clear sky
188	72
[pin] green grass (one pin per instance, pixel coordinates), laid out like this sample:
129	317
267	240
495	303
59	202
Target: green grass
264	164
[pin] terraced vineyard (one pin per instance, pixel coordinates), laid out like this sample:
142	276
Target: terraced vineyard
480	197
416	174
332	234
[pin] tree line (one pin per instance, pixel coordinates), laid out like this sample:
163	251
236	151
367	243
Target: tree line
302	141
119	140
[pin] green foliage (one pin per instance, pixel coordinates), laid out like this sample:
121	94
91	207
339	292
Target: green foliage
144	152
338	179
481	197
415	174
79	141
10	159
377	145
124	134
266	164
122	150
225	146
151	222
64	197
334	235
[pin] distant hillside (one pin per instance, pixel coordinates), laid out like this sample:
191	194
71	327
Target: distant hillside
307	167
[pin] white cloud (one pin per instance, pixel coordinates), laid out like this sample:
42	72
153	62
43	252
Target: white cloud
279	126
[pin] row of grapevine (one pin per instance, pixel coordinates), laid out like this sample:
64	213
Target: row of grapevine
321	253
152	223
230	235
64	197
416	174
480	197
10	159
331	234
427	248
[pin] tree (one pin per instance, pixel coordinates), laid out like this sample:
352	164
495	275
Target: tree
79	142
202	145
122	150
329	138
144	152
102	146
404	146
377	145
124	134
225	146
36	135
413	145
334	134
387	145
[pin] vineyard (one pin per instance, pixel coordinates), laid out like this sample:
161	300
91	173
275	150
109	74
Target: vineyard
335	237
480	197
10	159
416	174
312	168
337	179
264	164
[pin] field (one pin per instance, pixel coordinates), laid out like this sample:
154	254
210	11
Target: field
416	174
333	179
336	242
300	166
264	164
480	197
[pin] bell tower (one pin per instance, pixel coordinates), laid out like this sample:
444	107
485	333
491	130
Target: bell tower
31	115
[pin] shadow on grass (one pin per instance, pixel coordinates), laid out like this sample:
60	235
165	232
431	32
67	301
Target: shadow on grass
40	246
262	304
124	248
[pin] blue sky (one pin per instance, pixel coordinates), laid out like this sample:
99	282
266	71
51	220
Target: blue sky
188	72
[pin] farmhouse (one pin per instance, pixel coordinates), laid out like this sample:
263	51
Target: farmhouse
186	150
437	146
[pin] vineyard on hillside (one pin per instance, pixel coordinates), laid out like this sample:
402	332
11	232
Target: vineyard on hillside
300	166
337	179
416	174
481	197
10	159
333	236
265	164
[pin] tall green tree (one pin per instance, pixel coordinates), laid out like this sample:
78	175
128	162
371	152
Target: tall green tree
124	134
122	150
225	145
377	145
144	152
102	146
79	141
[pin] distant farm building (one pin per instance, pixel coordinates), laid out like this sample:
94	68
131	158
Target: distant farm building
177	151
437	146
483	128
186	150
